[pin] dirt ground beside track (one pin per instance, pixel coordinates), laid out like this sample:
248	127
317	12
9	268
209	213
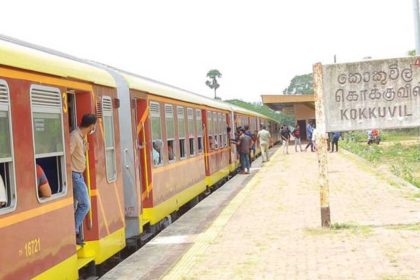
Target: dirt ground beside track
271	229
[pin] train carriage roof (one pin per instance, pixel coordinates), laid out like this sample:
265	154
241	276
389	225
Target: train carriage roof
19	54
164	90
157	88
24	55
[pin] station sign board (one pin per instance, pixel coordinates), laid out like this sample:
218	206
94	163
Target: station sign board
370	94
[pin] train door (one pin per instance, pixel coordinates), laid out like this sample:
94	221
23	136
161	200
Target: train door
144	150
78	104
71	111
206	132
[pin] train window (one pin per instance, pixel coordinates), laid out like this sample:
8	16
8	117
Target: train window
48	137
221	128
108	123
7	175
191	131
155	118
215	131
225	125
181	132
170	131
210	130
199	127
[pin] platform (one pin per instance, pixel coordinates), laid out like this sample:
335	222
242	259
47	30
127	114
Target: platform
267	226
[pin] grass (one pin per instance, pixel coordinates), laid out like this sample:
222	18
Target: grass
340	228
403	160
412	227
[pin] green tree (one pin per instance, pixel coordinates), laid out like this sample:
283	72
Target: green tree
411	53
300	84
212	83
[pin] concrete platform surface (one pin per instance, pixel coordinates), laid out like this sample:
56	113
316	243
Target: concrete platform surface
161	253
271	228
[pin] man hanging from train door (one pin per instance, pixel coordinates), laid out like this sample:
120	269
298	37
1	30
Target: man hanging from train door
78	148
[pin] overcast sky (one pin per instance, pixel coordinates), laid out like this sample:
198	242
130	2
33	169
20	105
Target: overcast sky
257	45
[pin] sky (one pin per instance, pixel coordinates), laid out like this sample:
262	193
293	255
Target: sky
258	46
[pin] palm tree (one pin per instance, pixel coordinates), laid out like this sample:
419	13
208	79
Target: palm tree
212	83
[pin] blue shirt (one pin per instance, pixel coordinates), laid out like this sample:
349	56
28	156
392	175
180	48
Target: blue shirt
309	130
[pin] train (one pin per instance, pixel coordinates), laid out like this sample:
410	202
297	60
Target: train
156	149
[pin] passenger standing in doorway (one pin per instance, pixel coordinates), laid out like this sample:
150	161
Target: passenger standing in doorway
78	149
296	135
264	137
309	131
245	143
285	137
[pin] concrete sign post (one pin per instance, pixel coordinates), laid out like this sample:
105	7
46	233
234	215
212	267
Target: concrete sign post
363	95
372	94
321	145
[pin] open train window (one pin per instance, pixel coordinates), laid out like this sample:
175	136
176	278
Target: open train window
156	124
210	130
199	126
7	174
108	122
215	131
48	138
181	132
221	128
225	134
170	131
191	130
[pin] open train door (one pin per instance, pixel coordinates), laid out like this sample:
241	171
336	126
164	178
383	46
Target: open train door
79	103
144	152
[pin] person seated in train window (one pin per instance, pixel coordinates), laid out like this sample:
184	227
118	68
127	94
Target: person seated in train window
157	150
44	189
171	154
215	143
3	196
211	143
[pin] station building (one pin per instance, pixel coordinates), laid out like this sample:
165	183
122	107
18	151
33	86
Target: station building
301	107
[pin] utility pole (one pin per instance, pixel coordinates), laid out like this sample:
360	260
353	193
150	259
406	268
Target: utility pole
416	26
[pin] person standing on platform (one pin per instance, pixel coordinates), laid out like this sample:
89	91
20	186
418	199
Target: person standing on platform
245	144
334	142
296	135
264	137
309	131
249	133
285	137
78	149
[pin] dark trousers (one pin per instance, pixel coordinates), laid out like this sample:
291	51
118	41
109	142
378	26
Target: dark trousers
311	144
334	143
245	161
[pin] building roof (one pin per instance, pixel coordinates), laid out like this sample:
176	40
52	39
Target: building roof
279	102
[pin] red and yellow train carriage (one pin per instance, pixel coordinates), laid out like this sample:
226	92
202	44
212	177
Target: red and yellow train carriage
42	98
156	148
182	149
